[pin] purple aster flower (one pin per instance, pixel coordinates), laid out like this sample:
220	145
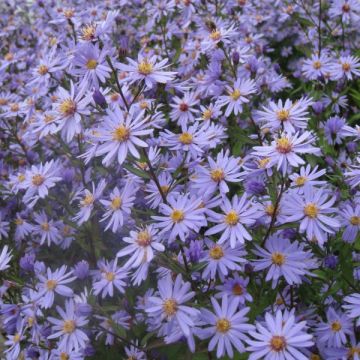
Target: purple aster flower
349	10
236	214
352	307
317	67
183	109
280	337
68	329
350	219
235	287
5	257
48	230
346	67
312	209
307	178
169	304
228	326
181	215
333	332
335	130
121	133
13	341
81	269
282	258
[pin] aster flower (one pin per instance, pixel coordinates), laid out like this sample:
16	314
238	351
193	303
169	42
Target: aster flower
284	150
336	129
352	306
346	67
54	282
312	209
317	66
307	177
181	215
13	341
289	116
121	133
5	257
279	338
217	35
237	96
283	259
148	70
353	174
110	276
236	214
350	220
68	329
228	327
183	109
349	10
47	229
169	304
333	332
225	169
235	287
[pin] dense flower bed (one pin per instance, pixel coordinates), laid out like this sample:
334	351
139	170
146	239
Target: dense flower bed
180	179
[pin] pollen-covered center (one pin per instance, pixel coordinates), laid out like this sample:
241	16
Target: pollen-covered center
235	94
177	215
283	115
231	218
116	203
69	326
110	276
145	68
311	210
336	326
144	238
277	343
67	107
88	32
16	338
263	162
183	107
64	356
45	226
216	252
51	284
237	289
170	307
121	133
346	66
91	64
186	138
317	65
283	145
346	8
43	69
355	220
206	115
37	179
215	35
217	174
277	258
300	180
223	325
87	200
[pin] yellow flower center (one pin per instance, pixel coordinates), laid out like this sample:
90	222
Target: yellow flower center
121	133
177	215
352	351
336	326
91	64
300	180
67	107
144	238
277	258
87	200
263	162
317	65
45	226
21	177
88	32
283	145
186	138
206	115
237	289
51	284
19	221
16	338
64	356
311	210
69	326
217	174
277	343
116	203
283	114
164	188
355	220
48	118
145	68
170	307
69	13
30	321
110	276
270	209
43	69
37	179
235	94
14	107
346	66
216	252
231	218
215	35
9	57
223	325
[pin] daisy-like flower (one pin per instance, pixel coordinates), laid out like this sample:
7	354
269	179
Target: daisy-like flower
70	107
181	215
217	35
353	174
148	70
280	337
68	329
352	307
307	177
284	150
120	134
349	10
237	96
236	214
228	326
346	67
350	220
336	130
235	287
316	67
109	276
48	230
120	204
88	200
220	259
169	304
54	282
13	341
38	180
289	116
333	332
283	259
225	169
183	109
90	65
312	209
5	257
143	243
